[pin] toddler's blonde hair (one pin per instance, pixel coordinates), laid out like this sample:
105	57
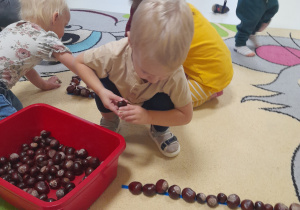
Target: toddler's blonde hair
41	11
163	30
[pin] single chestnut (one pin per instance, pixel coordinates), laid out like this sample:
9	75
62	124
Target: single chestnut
188	195
85	92
70	151
77	168
54	144
212	201
149	190
268	206
121	103
31	191
14	158
55	183
61	193
94	162
280	206
259	205
161	186
233	201
23	169
81	153
201	198
247	205
70	186
70	89
43	197
174	192
70	175
30	182
135	188
294	206
222	198
44	134
42	187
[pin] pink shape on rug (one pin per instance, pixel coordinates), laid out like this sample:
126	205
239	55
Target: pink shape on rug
280	55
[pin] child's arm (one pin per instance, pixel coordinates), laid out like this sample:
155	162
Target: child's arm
35	79
174	117
89	77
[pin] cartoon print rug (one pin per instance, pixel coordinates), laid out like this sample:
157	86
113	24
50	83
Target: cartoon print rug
245	142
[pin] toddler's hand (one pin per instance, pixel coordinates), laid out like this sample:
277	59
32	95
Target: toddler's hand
134	114
52	83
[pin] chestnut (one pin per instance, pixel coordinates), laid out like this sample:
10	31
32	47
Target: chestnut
94	162
70	186
247	205
174	192
75	80
259	205
68	165
70	175
6	177
88	171
61	193
149	189
70	89
52	170
42	187
280	206
34	171
55	183
85	92
16	177
30	153
23	169
44	134
36	139
81	153
70	151
121	103
40	177
57	158
135	188
3	161
212	201
161	186
14	158
33	146
43	197
64	181
51	153
76	92
78	168
60	173
54	144
50	200
30	182
233	201
21	185
188	195
222	198
294	206
268	206
92	94
31	191
201	198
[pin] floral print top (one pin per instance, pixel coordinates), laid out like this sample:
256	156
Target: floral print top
23	45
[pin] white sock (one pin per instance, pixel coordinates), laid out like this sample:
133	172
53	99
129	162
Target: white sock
244	50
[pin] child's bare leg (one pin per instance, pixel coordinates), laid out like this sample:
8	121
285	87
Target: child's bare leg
263	26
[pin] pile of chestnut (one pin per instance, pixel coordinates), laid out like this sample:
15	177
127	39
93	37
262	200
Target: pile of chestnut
44	165
75	88
232	201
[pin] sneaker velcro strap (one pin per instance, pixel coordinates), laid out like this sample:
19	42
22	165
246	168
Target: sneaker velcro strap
168	142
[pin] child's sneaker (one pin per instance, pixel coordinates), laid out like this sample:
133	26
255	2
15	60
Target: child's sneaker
111	125
166	142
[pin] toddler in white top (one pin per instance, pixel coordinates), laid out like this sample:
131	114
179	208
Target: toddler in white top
26	43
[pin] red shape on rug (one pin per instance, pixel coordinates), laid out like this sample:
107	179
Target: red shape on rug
280	55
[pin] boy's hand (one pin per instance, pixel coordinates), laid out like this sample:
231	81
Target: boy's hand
51	83
110	100
134	114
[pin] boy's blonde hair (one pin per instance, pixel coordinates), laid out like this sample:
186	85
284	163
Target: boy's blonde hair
163	31
41	11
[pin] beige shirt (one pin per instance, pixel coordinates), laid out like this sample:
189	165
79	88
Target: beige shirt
113	60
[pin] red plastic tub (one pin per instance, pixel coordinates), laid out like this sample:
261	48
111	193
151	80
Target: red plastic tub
69	130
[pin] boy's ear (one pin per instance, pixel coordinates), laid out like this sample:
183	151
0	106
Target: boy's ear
128	35
54	17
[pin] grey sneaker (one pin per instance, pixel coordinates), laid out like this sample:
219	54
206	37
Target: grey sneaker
111	125
166	142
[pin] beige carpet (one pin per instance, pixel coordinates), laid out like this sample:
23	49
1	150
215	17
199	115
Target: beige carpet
229	146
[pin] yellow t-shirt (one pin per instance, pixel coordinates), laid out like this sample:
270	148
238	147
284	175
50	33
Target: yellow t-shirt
209	60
